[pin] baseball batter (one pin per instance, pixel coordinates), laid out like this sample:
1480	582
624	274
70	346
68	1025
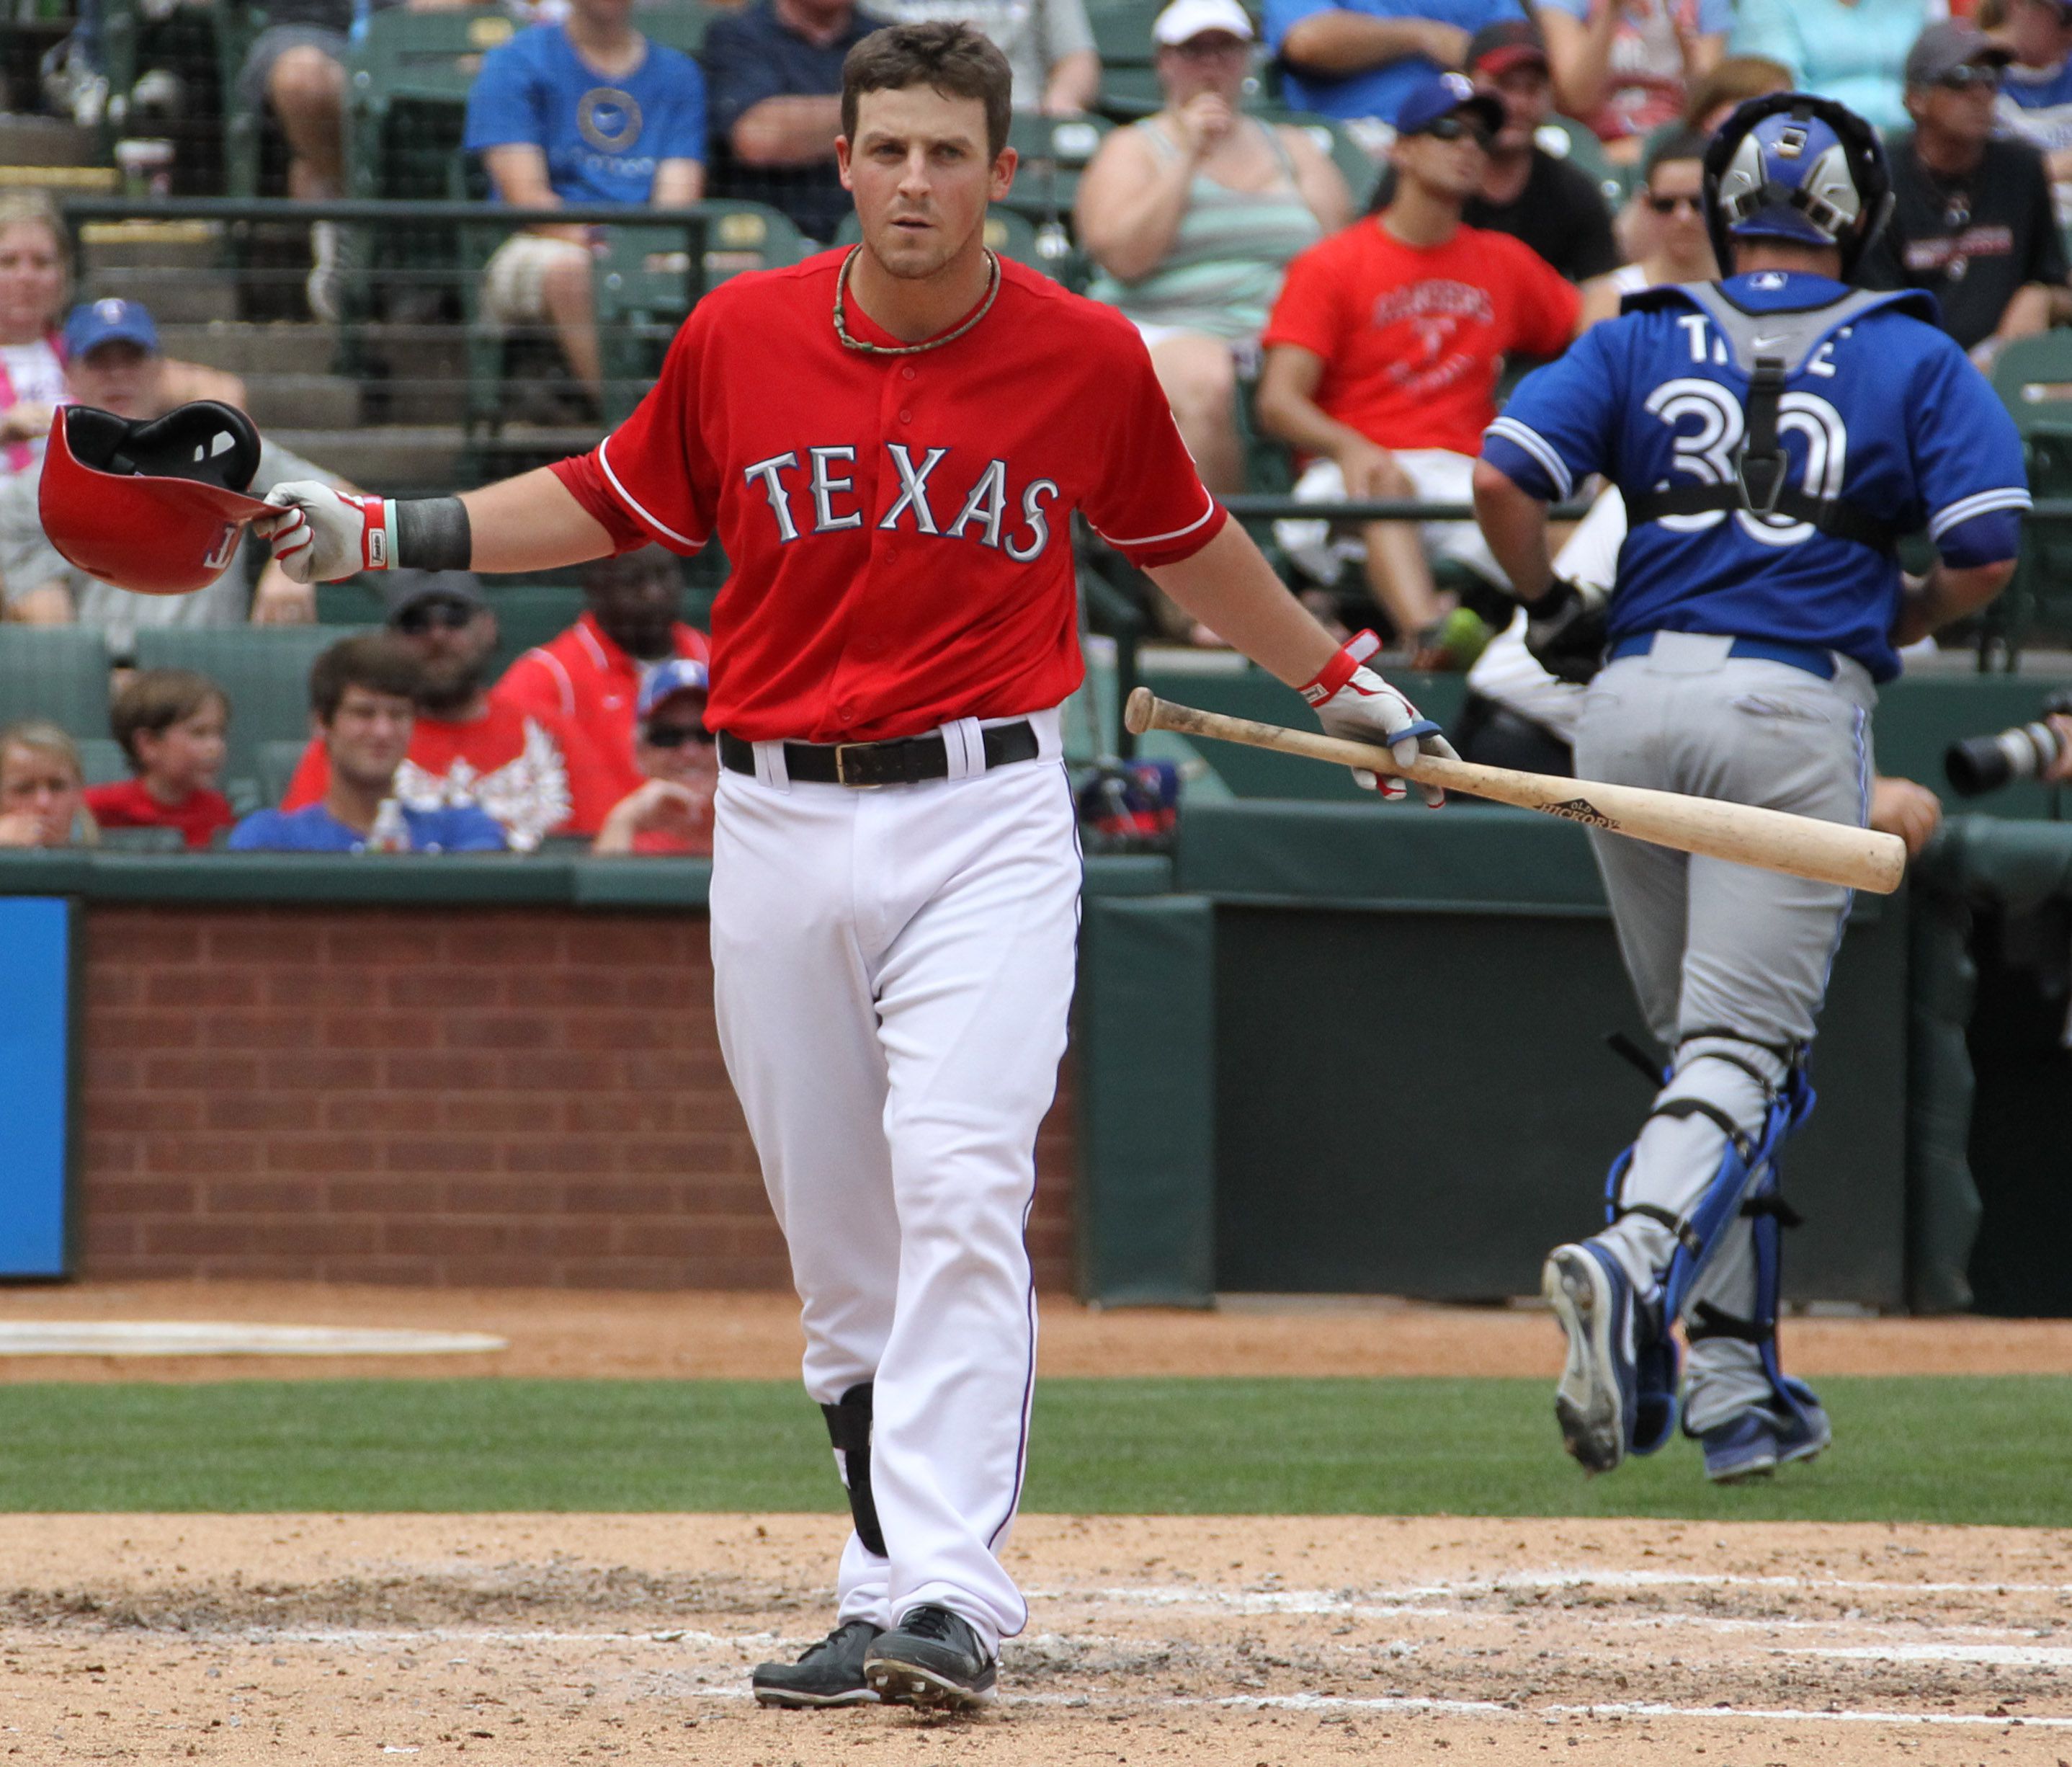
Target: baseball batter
1772	435
891	444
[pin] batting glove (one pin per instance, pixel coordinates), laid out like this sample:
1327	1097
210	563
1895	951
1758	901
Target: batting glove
322	535
1354	702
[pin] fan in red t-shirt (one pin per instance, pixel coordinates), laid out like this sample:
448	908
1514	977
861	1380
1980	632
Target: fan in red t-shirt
171	724
1384	350
592	675
537	774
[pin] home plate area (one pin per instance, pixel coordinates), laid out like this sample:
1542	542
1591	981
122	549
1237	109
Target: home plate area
1219	1640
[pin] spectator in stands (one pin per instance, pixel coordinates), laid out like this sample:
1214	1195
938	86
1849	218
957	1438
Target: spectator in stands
586	112
296	69
1359	61
2035	94
1972	220
1730	85
776	73
36	278
670	811
1668	230
113	361
1626	67
590	676
362	707
1193	216
1382	353
1526	192
533	773
1851	50
42	788
1048	44
171	724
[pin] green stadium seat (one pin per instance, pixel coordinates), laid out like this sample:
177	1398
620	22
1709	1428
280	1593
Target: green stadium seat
2033	377
59	673
265	671
237	23
1054	151
529	614
677	24
277	760
1361	170
1563	138
142	840
102	760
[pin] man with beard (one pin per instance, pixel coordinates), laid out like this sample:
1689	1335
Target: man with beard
533	772
593	675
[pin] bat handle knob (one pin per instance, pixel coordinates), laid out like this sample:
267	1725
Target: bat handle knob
1138	711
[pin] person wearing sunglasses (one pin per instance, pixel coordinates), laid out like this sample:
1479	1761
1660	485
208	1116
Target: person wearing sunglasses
1972	221
1383	352
672	810
1665	226
536	774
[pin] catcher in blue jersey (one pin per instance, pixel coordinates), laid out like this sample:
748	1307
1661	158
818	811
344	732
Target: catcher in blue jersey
1774	435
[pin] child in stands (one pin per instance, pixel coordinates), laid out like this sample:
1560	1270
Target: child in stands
171	724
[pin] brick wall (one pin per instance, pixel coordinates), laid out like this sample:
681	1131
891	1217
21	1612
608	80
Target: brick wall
457	1096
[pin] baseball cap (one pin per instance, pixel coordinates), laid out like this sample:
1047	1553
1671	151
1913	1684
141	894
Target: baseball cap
1506	43
1441	96
680	675
1942	48
404	590
1184	20
93	324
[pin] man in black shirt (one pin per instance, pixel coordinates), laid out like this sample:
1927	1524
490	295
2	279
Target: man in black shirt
1972	221
1526	192
773	73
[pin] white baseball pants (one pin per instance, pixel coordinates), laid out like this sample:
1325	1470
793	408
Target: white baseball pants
892	971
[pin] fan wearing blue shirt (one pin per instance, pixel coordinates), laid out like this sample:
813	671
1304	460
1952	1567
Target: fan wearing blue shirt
363	703
586	112
1358	59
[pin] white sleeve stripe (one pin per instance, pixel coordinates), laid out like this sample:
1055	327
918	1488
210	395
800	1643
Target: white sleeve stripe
1534	443
633	502
1983	503
1152	539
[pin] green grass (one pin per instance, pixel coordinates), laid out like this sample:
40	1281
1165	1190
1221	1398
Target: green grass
1959	1450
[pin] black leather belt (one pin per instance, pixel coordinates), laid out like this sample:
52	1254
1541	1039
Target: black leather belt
904	761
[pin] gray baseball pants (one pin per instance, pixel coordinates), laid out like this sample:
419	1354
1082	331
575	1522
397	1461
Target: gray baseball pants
1730	963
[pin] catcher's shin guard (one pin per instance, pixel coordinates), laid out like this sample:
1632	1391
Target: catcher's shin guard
849	1427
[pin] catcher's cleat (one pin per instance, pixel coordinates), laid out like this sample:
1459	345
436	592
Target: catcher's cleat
1752	1444
932	1658
830	1674
1595	1403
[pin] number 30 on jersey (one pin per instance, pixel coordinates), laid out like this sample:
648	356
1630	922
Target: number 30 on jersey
1706	450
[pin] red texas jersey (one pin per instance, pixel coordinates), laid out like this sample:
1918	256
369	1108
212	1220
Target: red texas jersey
899	526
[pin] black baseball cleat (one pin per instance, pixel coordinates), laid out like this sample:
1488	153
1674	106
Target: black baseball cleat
830	1673
931	1658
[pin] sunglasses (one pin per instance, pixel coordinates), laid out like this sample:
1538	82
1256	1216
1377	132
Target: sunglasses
1668	205
1453	128
447	616
1969	79
676	735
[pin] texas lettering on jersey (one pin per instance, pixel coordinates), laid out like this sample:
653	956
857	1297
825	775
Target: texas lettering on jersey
813	492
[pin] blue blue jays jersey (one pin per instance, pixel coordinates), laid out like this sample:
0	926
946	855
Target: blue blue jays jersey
1886	414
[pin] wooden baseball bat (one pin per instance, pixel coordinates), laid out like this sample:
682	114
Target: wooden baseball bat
1860	858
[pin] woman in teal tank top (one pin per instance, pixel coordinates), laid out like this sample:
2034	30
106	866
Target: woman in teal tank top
1193	215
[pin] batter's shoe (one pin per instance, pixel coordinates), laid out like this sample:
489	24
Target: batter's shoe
931	1658
1595	1403
830	1674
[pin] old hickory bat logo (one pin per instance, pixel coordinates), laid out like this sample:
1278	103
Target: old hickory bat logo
1580	809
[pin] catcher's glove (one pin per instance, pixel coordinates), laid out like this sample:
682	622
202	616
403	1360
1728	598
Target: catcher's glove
1564	631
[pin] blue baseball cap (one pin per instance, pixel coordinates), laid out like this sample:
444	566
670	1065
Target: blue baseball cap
1442	96
93	324
681	675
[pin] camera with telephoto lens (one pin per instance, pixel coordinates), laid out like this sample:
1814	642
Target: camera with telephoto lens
1984	764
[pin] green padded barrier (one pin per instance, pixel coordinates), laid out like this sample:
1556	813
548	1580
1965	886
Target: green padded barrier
1144	1035
59	673
1943	1207
264	669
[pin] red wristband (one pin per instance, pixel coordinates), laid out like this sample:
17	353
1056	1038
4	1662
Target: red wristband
374	547
1344	661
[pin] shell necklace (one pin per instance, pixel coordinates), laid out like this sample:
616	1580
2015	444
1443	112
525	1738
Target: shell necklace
862	348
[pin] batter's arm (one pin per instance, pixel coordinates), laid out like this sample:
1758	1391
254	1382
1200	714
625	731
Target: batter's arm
1230	587
532	522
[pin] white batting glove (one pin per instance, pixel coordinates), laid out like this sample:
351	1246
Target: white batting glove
1356	703
322	535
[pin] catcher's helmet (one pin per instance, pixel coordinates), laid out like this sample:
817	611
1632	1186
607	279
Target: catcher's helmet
1792	166
158	507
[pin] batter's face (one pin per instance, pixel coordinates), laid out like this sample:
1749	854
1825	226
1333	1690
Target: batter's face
922	178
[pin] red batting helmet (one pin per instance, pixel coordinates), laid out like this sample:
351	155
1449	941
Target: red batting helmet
156	507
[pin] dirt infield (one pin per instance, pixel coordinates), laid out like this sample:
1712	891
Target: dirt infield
1233	1642
556	1334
